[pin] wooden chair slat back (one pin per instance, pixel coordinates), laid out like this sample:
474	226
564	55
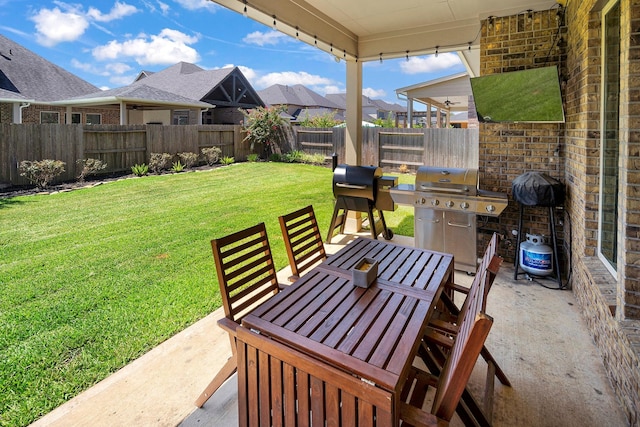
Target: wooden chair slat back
245	269
473	330
302	240
278	386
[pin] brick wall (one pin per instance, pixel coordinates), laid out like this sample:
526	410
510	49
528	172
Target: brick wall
610	305
507	150
31	114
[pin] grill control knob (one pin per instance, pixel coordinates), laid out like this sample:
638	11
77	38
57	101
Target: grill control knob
490	208
435	202
449	204
464	205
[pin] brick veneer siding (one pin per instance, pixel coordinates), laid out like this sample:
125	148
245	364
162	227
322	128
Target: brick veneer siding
515	43
31	114
610	305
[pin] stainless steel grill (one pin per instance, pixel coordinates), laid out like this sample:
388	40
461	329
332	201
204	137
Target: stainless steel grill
446	202
362	189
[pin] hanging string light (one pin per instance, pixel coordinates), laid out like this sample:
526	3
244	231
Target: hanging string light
437	47
244	11
274	23
297	33
407	56
381	57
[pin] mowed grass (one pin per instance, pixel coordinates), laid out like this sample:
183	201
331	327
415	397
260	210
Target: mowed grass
94	278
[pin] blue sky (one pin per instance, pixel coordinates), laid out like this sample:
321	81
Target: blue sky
109	42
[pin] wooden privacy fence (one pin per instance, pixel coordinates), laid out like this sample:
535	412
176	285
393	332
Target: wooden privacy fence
392	148
120	147
124	146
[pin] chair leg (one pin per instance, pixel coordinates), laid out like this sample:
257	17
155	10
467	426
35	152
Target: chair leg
229	368
498	371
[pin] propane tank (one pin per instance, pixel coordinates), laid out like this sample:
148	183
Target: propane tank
535	256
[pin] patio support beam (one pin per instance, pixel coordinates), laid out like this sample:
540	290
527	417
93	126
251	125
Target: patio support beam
123	113
353	137
409	112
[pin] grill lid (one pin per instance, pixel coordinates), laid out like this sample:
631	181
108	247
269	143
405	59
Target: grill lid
447	180
356	181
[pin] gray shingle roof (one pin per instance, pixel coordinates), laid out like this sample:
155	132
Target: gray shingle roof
185	79
33	77
341	99
295	95
139	93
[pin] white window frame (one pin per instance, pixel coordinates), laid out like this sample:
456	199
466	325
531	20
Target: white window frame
50	112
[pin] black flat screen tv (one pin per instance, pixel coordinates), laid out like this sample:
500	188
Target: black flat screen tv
519	96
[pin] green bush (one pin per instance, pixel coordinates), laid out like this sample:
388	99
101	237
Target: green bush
140	170
294	156
314	159
212	154
264	126
188	159
41	172
253	157
177	166
226	160
160	161
275	157
90	167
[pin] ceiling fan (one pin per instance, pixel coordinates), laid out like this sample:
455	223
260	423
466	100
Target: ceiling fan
448	103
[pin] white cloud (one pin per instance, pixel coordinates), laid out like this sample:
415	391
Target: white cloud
164	8
119	10
269	38
67	22
374	93
429	64
168	47
54	26
197	4
293	78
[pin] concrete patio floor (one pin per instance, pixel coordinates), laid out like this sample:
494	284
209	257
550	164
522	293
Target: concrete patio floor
539	339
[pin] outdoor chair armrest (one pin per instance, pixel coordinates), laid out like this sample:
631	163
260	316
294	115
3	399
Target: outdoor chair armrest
228	325
417	417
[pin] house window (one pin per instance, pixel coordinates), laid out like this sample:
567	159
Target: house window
181	117
76	118
94	119
609	139
49	117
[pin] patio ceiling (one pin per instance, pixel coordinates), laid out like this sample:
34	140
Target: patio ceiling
371	29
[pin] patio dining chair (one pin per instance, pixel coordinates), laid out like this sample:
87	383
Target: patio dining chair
450	379
247	277
443	327
302	240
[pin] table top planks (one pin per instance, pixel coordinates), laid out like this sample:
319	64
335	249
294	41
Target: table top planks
372	333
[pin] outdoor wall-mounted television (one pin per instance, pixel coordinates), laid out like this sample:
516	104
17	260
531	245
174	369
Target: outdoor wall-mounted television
519	96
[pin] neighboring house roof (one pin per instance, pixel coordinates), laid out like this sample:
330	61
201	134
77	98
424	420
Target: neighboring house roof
28	75
223	87
296	95
134	94
9	96
380	105
454	90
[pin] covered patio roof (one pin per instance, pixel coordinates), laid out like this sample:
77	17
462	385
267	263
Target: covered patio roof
373	29
449	93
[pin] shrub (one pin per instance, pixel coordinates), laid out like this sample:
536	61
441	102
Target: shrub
314	159
253	157
226	160
275	157
212	154
294	156
326	120
90	167
160	161
404	168
41	172
264	126
188	159
177	166
140	170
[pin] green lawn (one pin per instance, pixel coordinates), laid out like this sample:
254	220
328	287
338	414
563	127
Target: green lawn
92	279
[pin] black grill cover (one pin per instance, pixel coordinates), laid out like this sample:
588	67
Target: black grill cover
537	189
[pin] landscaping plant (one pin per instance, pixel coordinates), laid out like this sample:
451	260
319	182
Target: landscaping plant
90	167
264	126
41	172
160	161
212	154
140	170
189	160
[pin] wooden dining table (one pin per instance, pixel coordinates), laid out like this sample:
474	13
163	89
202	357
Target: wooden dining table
324	351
